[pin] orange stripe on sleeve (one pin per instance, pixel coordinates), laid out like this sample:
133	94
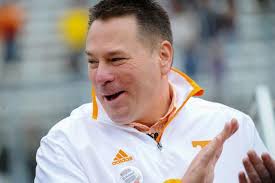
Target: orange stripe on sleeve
95	107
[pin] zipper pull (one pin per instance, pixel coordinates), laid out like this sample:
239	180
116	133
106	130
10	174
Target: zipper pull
159	146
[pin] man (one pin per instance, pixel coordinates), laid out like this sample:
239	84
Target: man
11	23
144	124
73	29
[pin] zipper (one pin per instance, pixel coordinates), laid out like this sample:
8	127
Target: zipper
154	137
159	146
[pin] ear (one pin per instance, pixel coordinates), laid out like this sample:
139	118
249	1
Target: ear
166	57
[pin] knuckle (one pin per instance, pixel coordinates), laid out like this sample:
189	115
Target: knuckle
255	180
253	177
265	175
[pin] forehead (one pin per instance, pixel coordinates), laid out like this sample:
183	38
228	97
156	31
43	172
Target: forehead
112	32
117	23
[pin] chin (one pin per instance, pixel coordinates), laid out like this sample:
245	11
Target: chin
120	119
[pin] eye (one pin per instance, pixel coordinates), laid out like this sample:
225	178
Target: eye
117	59
93	63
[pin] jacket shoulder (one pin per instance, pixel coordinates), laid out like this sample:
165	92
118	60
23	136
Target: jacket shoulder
73	124
208	106
220	111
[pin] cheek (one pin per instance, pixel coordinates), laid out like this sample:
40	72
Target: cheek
127	75
127	81
141	80
91	75
140	85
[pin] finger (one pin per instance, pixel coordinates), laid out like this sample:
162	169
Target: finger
232	128
214	148
259	166
229	129
235	125
269	164
251	172
242	178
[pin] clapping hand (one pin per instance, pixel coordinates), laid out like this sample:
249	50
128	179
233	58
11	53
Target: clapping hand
201	169
258	169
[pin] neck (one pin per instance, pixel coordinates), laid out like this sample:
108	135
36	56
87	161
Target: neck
160	106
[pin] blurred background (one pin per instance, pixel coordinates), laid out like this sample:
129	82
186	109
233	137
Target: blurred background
227	46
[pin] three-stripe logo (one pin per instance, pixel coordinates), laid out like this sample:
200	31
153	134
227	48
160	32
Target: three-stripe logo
121	157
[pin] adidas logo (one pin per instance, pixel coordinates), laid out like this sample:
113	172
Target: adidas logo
121	157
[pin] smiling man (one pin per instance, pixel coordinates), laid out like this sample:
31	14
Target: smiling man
144	124
126	70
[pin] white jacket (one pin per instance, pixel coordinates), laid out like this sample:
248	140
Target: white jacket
82	149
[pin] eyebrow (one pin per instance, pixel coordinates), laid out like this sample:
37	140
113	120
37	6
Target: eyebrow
88	53
110	53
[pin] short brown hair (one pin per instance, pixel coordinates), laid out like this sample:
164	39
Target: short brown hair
152	19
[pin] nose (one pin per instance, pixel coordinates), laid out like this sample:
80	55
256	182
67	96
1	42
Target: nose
104	74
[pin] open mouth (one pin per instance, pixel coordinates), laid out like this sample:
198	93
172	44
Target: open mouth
114	96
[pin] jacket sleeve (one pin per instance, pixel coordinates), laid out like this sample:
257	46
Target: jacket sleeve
56	162
256	142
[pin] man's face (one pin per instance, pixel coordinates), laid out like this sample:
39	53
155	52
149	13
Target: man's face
124	70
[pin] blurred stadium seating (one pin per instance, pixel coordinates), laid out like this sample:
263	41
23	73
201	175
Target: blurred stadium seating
38	91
